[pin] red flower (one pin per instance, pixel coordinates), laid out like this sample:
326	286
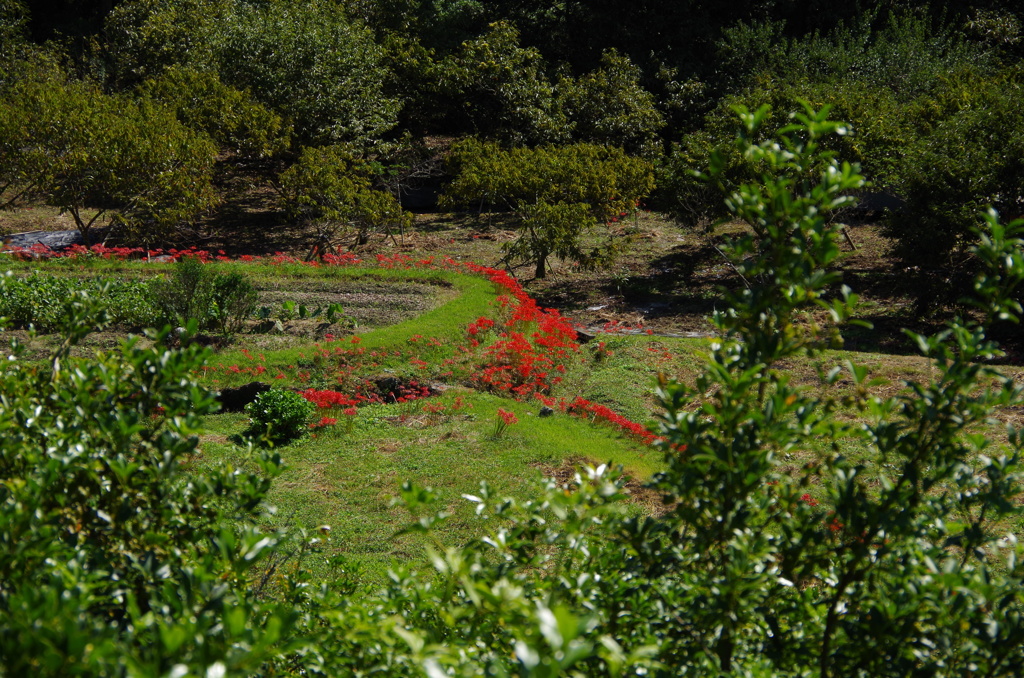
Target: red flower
324	421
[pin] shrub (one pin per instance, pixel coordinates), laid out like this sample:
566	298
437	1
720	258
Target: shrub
145	37
38	300
609	106
278	416
118	561
234	300
195	292
187	295
503	88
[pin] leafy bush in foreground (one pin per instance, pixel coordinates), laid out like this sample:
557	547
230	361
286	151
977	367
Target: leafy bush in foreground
114	561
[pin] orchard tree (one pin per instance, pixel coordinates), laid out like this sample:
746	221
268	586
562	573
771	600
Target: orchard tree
970	159
503	89
610	106
96	155
333	190
311	63
145	37
558	192
230	117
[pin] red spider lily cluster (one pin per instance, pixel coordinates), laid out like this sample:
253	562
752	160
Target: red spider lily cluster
507	418
581	407
529	356
478	326
40	251
328	399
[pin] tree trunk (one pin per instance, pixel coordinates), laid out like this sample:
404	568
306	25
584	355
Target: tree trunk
541	271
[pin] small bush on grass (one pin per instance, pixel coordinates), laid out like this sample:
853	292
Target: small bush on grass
234	300
196	292
278	416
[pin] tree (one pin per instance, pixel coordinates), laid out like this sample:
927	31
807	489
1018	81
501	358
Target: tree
333	190
558	193
503	89
118	156
145	37
313	65
13	24
968	160
230	117
610	106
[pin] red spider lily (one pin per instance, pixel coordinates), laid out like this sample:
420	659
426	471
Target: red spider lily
327	399
324	422
505	419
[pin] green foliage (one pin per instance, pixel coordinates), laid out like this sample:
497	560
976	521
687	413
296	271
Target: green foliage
85	150
504	91
904	52
969	159
234	300
13	24
145	37
313	65
230	117
558	192
187	296
333	189
115	560
195	293
38	301
278	416
610	106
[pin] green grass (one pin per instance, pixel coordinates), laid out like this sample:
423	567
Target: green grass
473	297
347	479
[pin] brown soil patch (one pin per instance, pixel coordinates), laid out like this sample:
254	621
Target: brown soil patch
565	475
